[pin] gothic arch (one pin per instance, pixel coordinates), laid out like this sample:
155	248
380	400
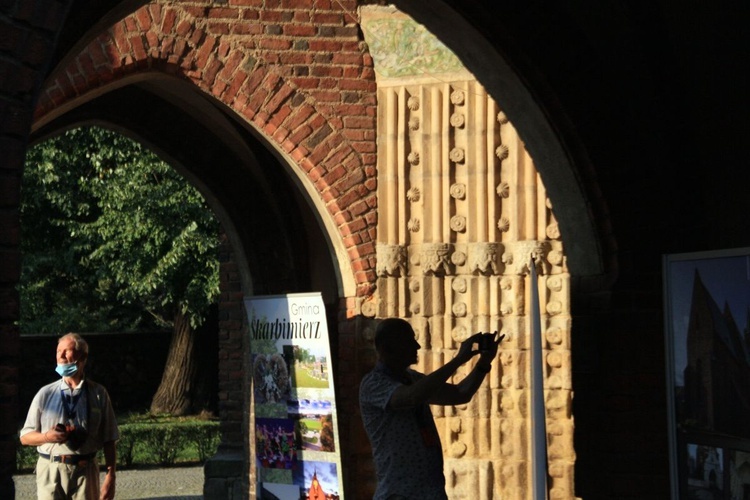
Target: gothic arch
561	161
159	44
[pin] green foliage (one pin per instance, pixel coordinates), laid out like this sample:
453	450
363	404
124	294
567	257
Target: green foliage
153	441
163	443
26	457
113	238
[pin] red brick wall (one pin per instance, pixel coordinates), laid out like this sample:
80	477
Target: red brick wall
307	83
297	71
28	29
233	350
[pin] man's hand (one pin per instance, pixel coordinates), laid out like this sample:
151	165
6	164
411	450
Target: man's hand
466	351
107	491
488	346
57	434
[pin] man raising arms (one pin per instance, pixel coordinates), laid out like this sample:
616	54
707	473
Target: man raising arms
394	402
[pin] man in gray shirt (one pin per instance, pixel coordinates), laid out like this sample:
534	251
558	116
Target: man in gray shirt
69	421
394	402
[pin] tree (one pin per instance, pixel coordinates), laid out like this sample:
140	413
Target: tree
125	242
327	442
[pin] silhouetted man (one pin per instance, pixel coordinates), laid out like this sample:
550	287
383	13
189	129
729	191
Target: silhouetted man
394	401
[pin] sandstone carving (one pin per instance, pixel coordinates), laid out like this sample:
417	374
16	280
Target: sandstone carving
483	258
391	260
470	218
435	258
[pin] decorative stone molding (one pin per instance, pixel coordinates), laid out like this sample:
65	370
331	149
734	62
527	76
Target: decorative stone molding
458	97
413	158
483	258
457	155
458	223
458	258
369	309
459	309
519	254
459	192
503	190
553	231
391	260
435	258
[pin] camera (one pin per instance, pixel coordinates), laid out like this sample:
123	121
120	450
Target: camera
487	341
76	436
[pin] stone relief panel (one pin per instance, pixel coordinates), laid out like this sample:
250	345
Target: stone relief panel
463	215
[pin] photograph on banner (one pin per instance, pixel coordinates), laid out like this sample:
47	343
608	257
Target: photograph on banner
276	445
313	425
296	445
310	368
317	480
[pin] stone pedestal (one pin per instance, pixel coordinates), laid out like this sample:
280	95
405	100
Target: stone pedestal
225	476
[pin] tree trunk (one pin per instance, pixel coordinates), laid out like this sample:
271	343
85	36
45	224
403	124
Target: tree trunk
174	395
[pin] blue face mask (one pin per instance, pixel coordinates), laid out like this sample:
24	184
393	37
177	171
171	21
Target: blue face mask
67	370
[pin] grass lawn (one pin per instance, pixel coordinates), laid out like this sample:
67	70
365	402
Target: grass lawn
302	378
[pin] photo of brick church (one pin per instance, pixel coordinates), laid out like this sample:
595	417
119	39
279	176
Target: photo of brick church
716	393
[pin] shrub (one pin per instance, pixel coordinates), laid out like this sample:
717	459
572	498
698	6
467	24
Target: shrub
26	457
149	440
163	443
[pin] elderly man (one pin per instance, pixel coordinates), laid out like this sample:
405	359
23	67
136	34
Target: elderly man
69	421
394	401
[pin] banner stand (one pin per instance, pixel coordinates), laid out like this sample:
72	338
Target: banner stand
296	446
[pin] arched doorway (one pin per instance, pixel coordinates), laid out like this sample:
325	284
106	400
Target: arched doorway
225	131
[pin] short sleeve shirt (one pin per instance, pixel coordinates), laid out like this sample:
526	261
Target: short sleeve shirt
87	407
405	443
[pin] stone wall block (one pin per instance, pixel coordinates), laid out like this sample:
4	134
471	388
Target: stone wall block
557	333
512	300
559	404
560	438
469	479
561	474
511	478
558	294
513	327
559	368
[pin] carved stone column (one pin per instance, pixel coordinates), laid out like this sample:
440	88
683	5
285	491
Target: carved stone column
462	213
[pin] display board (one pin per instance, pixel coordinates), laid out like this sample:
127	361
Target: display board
707	319
296	433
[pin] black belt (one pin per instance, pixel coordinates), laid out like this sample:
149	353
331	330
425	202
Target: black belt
69	459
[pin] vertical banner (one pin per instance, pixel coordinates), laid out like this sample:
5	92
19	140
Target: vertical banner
538	411
296	433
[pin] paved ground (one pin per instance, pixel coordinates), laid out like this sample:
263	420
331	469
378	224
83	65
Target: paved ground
174	483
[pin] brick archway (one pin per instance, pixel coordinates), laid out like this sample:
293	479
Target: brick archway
321	122
317	110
